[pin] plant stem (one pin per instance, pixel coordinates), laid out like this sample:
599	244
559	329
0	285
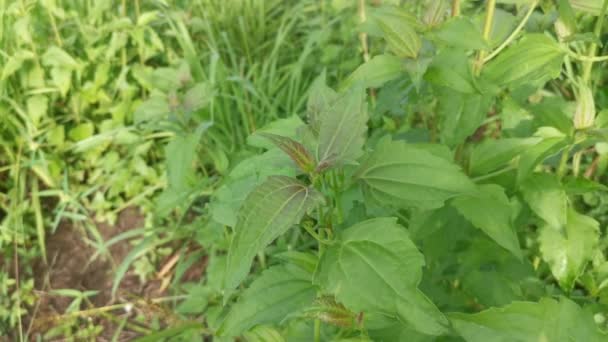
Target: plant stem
576	163
39	220
317	332
363	35
487	29
589	59
455	8
492	174
563	163
262	260
54	26
513	34
593	47
123	13
137	10
365	46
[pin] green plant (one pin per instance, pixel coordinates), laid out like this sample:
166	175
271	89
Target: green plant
458	217
103	98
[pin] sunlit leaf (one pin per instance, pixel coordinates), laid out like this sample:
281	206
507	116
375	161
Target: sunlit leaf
376	72
343	128
535	59
489	210
548	320
376	268
269	211
400	174
276	293
567	249
296	151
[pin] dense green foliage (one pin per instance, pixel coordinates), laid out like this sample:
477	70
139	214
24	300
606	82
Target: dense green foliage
348	171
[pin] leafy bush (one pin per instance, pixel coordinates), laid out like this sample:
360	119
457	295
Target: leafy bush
442	223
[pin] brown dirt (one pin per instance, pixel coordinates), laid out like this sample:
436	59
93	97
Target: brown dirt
68	268
68	255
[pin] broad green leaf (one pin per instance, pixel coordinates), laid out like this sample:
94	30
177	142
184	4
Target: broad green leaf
416	68
62	78
395	12
15	62
197	97
320	98
547	198
376	268
420	313
551	112
296	151
152	109
502	25
276	293
56	136
399	174
567	249
287	127
499	284
580	186
37	106
489	209
81	131
304	260
168	79
244	177
22	29
537	154
57	57
268	211
460	115
459	32
396	332
376	72
435	12
263	333
180	153
535	59
424	223
400	36
546	321
343	129
588	6
567	15
492	154
451	69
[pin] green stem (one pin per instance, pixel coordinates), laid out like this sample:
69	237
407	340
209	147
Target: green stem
576	163
513	34
322	241
137	10
492	174
455	8
262	260
39	220
487	29
363	35
593	47
586	59
563	163
54	26
123	12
